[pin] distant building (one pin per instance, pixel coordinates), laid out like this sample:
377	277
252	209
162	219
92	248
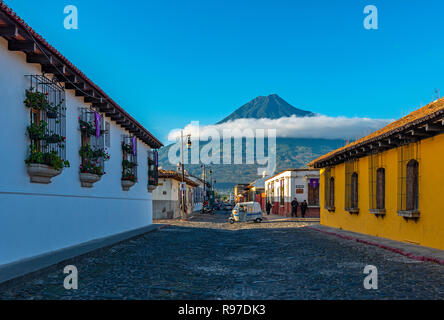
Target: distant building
199	191
241	192
167	196
256	191
389	183
302	184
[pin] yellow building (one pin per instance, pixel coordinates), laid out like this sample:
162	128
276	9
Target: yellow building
390	183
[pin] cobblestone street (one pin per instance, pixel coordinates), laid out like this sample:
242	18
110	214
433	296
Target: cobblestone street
207	258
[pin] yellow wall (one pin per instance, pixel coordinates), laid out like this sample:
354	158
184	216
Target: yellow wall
428	230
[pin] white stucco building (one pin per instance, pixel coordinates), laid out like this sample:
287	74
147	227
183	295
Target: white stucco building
302	184
167	195
40	213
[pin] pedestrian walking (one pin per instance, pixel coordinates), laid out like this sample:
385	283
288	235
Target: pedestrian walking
304	206
294	208
268	207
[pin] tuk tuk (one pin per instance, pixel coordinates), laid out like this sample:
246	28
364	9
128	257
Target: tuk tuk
246	211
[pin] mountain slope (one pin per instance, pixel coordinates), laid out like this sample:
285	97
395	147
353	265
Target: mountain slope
290	152
270	107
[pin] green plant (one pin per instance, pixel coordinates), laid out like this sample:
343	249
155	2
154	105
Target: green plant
128	164
89	128
37	131
48	158
128	176
36	100
91	167
90	163
54	138
87	152
127	148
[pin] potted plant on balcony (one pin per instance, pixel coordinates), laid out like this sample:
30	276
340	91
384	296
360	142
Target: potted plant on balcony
128	180
42	166
54	138
91	170
90	173
36	100
37	131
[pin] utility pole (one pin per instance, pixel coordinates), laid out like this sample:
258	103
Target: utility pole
182	192
204	188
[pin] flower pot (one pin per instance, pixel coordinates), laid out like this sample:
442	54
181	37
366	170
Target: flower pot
88	179
127	184
51	114
41	173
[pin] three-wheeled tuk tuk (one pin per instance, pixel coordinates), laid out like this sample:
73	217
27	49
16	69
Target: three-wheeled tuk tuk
246	211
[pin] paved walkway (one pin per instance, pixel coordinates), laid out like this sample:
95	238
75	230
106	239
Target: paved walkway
208	258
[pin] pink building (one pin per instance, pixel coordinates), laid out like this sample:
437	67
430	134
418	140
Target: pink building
302	184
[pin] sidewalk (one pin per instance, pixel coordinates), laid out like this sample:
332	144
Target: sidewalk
278	218
409	250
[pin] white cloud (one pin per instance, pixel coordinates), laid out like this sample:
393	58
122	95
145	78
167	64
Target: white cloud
319	126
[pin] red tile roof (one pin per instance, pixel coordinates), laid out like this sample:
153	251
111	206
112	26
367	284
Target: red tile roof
412	120
170	174
42	42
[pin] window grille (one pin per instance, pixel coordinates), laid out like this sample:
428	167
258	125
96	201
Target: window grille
408	177
351	185
153	164
88	126
313	193
329	188
129	158
107	134
376	182
54	116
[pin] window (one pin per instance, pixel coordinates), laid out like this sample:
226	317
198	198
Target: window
408	180
153	165
351	186
412	185
332	193
376	184
281	191
92	152
129	158
46	102
313	192
329	189
380	189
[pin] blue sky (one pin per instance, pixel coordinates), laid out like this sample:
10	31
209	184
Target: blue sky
170	62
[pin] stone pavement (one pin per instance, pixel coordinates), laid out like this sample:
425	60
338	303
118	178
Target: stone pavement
208	258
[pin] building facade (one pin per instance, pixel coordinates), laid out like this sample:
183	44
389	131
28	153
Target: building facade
388	184
302	184
256	192
167	197
76	166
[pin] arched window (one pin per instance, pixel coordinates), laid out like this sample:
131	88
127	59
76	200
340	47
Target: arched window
354	191
332	192
412	185
380	188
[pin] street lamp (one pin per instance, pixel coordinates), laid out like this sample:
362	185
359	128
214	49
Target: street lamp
183	213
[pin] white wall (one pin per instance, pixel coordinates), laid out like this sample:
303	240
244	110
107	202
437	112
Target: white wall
291	180
37	218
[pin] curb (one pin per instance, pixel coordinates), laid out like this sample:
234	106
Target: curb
382	246
24	270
